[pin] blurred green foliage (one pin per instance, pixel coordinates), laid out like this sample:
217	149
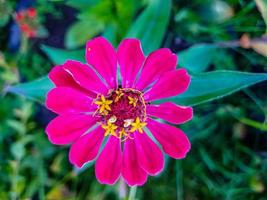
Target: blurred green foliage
228	159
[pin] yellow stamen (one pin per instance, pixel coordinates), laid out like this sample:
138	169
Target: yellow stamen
132	101
138	125
119	95
103	104
110	129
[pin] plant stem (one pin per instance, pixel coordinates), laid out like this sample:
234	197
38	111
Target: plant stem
122	189
132	193
179	180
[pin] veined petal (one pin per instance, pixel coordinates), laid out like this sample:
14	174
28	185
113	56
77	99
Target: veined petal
85	76
62	78
150	157
156	64
86	147
170	112
173	140
63	100
132	173
109	163
102	56
65	129
130	58
170	84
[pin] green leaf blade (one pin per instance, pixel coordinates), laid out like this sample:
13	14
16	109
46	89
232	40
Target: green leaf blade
151	25
210	86
59	56
35	90
197	58
81	31
204	87
262	6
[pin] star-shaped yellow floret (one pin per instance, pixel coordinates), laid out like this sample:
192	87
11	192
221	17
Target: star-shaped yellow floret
110	129
119	95
132	101
138	125
122	133
103	104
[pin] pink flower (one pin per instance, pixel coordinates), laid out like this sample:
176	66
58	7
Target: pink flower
93	105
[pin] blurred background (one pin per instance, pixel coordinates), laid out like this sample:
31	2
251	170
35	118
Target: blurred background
228	159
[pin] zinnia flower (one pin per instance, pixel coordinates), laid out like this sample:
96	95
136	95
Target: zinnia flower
96	108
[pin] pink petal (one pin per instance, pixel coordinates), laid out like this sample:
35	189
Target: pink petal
102	56
150	157
173	140
156	64
65	129
132	173
61	78
170	112
108	164
85	76
130	58
67	100
86	147
170	84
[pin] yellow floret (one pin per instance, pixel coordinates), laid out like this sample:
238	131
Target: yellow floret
110	129
138	125
103	104
132	101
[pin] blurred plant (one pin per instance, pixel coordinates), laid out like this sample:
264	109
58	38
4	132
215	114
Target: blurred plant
6	11
28	22
95	17
8	73
262	6
30	26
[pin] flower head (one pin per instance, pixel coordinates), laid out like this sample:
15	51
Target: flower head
28	22
92	104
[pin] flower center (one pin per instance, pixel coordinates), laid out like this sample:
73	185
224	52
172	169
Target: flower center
122	112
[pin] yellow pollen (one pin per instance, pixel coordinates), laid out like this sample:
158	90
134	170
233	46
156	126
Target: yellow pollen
132	101
103	105
138	125
110	129
119	95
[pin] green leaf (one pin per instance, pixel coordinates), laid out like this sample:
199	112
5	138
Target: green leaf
151	25
81	31
204	87
42	32
35	90
6	12
81	4
59	56
198	57
262	6
209	86
18	150
110	35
